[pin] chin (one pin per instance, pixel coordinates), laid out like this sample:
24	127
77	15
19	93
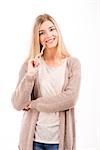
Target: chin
52	46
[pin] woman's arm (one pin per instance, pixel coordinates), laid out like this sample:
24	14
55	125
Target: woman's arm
21	97
66	99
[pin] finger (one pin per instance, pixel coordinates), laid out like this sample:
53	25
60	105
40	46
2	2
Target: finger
31	60
38	56
41	53
36	62
42	50
30	106
26	109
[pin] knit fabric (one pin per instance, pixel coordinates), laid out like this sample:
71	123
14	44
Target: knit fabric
28	90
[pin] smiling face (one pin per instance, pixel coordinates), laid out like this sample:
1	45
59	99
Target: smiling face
48	35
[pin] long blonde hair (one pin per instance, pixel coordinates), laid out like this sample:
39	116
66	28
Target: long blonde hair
35	44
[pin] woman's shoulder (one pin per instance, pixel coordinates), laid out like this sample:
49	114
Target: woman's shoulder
72	60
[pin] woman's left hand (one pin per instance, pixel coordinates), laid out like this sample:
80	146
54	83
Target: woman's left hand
27	108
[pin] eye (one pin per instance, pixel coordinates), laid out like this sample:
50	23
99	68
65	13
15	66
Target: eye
41	33
53	28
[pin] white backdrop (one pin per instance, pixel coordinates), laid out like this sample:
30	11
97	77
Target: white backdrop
79	24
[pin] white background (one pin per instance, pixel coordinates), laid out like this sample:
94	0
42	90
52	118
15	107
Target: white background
79	24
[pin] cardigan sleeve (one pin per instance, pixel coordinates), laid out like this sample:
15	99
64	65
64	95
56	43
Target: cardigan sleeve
21	97
67	98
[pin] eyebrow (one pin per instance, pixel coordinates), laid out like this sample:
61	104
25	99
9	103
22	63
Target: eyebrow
49	28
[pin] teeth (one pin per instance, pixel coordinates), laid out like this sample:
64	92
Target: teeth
50	41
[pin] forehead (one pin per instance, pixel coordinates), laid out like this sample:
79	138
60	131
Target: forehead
46	25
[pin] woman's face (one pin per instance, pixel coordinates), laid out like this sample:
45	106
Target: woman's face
48	34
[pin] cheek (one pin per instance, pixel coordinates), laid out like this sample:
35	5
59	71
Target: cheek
41	40
56	33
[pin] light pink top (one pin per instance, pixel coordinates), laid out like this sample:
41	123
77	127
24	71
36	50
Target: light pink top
51	81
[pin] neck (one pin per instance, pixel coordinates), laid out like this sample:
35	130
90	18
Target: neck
50	54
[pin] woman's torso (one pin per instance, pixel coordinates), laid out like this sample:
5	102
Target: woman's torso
51	80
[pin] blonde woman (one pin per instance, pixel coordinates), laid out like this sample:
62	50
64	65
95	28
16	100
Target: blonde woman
47	90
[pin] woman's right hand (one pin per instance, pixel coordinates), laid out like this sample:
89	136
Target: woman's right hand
33	65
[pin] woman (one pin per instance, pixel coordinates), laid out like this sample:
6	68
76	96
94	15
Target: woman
47	91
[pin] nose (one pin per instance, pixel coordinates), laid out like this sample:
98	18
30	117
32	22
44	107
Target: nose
48	34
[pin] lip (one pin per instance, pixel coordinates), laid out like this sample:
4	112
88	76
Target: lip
50	40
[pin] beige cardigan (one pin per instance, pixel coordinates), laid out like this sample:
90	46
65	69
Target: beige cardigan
28	90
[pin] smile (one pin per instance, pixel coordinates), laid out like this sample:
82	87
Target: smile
50	41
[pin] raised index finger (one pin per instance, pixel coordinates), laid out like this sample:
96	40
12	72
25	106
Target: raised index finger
40	54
